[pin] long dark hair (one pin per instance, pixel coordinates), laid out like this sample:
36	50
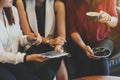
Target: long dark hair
9	15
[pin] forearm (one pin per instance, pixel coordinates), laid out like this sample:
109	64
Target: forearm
13	58
23	17
60	11
78	40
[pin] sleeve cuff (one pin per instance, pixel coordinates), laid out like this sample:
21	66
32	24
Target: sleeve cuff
20	57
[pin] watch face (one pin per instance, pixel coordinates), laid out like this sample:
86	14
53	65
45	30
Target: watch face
101	52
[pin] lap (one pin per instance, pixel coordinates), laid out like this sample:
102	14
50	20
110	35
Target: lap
48	68
5	74
16	72
86	66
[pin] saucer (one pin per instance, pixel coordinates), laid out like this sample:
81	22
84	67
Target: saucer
101	52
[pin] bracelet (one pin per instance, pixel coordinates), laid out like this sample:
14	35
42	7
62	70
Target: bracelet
109	19
25	58
48	41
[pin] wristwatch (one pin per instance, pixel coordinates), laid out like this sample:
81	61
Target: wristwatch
48	41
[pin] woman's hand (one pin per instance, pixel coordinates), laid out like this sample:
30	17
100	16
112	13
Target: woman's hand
36	57
59	48
35	38
104	17
111	21
39	39
89	52
57	41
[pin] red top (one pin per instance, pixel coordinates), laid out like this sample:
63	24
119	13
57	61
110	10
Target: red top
89	31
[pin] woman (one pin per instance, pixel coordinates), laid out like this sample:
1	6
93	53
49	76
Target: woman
10	39
48	18
86	34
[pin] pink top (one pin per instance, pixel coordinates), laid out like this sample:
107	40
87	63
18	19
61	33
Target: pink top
89	31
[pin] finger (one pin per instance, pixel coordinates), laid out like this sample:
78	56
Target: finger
103	20
101	13
39	39
61	39
36	43
31	38
36	34
104	17
91	54
60	42
41	59
59	49
93	57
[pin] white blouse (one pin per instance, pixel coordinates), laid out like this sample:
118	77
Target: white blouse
11	38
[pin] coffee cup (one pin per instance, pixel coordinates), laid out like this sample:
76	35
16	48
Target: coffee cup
92	16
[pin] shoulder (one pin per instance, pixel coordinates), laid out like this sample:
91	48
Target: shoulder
59	5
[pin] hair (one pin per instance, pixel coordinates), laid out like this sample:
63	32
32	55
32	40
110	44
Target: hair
93	4
9	14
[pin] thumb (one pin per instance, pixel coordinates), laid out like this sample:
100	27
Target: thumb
31	38
37	35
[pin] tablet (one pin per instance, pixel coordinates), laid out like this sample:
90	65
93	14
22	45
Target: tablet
53	54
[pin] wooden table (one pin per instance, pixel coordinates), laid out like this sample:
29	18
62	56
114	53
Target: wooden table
98	78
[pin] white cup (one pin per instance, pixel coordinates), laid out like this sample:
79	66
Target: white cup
92	16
